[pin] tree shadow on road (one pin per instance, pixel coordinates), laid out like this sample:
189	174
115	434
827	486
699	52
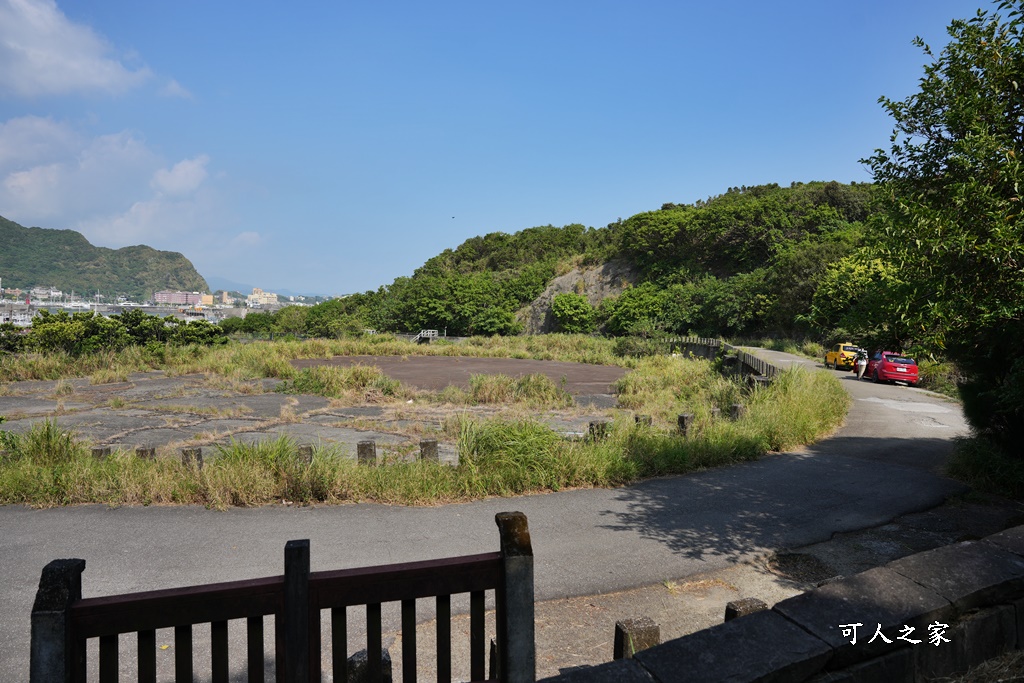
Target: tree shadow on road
786	500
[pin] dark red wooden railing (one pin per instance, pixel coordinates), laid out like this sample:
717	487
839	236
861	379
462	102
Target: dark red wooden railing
63	622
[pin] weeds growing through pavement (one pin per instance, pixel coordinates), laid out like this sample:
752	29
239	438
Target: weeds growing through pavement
497	457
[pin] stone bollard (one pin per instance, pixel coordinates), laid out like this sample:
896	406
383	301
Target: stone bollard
758	381
743	607
305	453
634	635
428	450
359	667
643	420
101	452
145	453
737	411
685	421
190	456
598	430
366	452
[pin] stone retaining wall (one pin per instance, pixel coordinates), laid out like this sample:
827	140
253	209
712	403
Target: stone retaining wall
964	602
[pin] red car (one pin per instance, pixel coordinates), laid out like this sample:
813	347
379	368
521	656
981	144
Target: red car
888	366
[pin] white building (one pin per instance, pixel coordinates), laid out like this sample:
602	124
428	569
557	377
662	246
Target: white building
259	298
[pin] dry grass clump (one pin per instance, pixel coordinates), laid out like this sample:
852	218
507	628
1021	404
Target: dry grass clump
110	375
536	390
355	383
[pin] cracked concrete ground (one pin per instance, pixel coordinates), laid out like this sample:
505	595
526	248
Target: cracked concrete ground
152	410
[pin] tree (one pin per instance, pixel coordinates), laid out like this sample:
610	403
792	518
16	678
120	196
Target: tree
290	320
572	313
952	181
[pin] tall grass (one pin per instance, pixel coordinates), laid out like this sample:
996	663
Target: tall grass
48	466
360	383
985	468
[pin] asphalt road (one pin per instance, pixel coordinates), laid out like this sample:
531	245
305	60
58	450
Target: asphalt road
883	463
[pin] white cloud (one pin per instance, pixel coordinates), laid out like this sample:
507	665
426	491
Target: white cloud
247	239
183	178
174	89
34	140
48	171
43	53
112	188
159	222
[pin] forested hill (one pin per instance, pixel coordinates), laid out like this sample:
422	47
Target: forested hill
66	260
745	262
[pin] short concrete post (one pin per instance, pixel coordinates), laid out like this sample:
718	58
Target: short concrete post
367	452
598	430
305	453
715	414
53	654
192	456
517	661
296	610
359	668
743	607
634	635
145	453
101	452
643	420
737	411
685	421
428	450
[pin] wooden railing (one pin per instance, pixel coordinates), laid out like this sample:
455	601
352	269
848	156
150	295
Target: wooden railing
63	622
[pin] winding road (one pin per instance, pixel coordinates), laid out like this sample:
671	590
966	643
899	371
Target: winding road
884	462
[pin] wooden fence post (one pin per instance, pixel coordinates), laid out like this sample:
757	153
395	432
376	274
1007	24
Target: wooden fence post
54	655
296	611
516	646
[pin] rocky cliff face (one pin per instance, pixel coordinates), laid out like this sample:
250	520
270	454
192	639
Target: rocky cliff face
596	284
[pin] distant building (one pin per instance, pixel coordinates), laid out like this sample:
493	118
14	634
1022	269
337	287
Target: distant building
46	293
226	298
206	299
260	298
178	298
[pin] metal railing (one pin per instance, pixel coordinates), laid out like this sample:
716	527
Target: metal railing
710	348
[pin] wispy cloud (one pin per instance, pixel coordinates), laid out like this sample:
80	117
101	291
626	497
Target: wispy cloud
247	239
42	52
174	89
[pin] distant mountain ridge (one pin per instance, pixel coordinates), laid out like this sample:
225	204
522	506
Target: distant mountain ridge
64	259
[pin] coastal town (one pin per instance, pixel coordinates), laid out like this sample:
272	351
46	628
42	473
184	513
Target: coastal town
19	306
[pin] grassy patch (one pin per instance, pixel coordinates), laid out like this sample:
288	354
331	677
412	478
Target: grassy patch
986	469
356	383
498	457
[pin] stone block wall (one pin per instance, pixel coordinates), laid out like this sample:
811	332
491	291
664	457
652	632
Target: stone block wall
964	603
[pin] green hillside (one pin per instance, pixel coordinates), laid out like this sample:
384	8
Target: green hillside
66	260
747	262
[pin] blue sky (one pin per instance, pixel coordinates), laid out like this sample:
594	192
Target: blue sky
329	147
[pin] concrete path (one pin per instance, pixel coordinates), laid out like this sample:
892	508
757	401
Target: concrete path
882	464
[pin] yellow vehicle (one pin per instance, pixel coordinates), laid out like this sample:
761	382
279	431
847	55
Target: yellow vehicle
841	356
